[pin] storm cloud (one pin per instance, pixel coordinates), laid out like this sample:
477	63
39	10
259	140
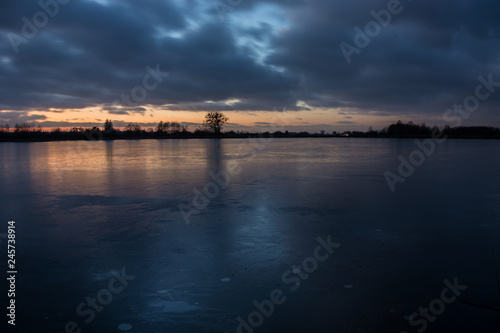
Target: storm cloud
253	56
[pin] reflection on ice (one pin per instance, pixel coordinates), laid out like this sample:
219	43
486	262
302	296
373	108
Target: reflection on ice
116	206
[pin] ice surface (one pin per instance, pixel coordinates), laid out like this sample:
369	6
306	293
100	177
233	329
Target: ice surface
83	210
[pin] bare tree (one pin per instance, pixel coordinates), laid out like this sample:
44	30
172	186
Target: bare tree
24	127
108	126
133	127
216	121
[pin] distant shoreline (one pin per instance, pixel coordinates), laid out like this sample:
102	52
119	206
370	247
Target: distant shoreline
399	130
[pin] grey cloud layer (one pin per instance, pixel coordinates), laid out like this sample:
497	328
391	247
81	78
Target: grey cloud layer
90	54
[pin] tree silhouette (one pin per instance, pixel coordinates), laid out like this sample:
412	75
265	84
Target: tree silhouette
176	127
108	126
159	128
133	128
215	121
24	128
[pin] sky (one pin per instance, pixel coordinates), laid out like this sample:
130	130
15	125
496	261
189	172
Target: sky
329	65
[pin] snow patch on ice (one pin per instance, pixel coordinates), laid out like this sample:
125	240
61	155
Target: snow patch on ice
102	276
226	279
170	306
124	327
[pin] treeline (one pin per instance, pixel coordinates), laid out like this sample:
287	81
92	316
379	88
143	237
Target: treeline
29	132
214	121
168	129
412	130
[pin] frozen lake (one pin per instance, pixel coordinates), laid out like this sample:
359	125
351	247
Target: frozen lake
101	220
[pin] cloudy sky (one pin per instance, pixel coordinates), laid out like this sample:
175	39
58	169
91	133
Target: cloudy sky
79	62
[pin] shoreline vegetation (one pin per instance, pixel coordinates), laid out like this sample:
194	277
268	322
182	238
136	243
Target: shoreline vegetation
213	124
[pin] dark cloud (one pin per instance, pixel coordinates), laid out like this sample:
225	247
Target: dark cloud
19	117
263	123
427	59
261	56
125	110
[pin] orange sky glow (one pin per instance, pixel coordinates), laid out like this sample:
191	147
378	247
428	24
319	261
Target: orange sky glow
311	120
